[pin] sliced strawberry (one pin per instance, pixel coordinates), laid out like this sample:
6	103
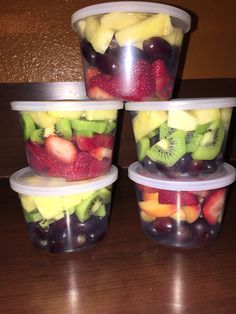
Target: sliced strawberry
164	80
104	86
213	206
85	143
104	140
159	69
99	167
61	149
101	152
37	157
90	73
172	197
81	167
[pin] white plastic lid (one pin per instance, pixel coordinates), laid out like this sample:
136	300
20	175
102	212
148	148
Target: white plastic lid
182	103
65	105
26	182
223	177
131	6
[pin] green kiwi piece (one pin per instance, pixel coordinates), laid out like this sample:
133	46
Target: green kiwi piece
101	211
94	126
211	142
202	128
165	130
63	128
142	146
33	216
110	127
37	136
87	133
91	204
192	140
153	133
169	149
28	125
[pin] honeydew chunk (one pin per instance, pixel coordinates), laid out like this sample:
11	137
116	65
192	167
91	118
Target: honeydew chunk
181	120
48	206
102	39
156	25
66	114
119	20
101	115
91	27
147	121
28	203
225	114
204	116
70	201
176	37
43	119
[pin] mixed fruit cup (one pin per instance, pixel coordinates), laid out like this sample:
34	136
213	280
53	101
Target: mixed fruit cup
181	218
74	145
181	142
67	223
130	56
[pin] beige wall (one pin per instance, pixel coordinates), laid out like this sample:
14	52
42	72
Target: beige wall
38	45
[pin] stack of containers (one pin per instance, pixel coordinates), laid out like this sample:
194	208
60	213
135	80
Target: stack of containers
131	51
66	191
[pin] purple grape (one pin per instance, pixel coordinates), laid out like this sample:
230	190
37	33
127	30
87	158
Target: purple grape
201	230
170	172
210	166
173	61
149	165
164	226
88	52
182	236
195	167
157	48
107	63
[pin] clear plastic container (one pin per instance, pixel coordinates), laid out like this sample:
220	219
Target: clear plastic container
130	49
184	212
183	136
69	139
64	216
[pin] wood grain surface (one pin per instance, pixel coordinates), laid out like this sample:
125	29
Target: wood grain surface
125	273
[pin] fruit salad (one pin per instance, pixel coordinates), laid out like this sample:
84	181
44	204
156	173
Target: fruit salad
184	212
74	145
64	216
130	55
180	141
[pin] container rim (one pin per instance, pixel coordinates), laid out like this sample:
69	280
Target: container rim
48	186
131	6
65	105
182	104
221	178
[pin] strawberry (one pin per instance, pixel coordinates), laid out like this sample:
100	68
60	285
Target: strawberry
37	157
107	87
96	92
61	149
104	140
145	188
101	152
213	206
182	198
85	143
164	81
81	167
90	73
99	167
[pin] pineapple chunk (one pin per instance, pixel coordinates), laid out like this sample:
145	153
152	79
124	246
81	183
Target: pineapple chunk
119	20
48	206
226	117
176	37
27	202
70	201
147	121
66	114
156	25
101	114
181	120
80	25
43	119
91	27
204	116
102	39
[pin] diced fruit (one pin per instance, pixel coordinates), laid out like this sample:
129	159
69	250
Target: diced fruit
179	215
101	152
159	69
142	146
94	126
168	150
157	48
154	209
145	217
165	225
204	116
147	121
48	206
176	37
98	93
177	198
181	120
37	136
104	140
213	206
119	20
27	124
101	114
85	143
70	201
164	87
66	114
43	119
90	73
63	128
102	39
92	25
81	27
27	203
156	25
191	213
226	114
60	148
49	131
147	196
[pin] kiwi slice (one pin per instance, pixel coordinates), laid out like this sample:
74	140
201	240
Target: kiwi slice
92	204
211	142
192	140
94	126
28	125
37	136
101	211
110	127
153	133
169	149
63	128
33	216
142	146
165	130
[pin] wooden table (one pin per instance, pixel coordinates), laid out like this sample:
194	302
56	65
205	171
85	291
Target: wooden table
125	273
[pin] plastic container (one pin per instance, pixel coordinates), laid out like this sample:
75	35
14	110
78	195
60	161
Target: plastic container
69	139
130	49
184	213
64	216
181	137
